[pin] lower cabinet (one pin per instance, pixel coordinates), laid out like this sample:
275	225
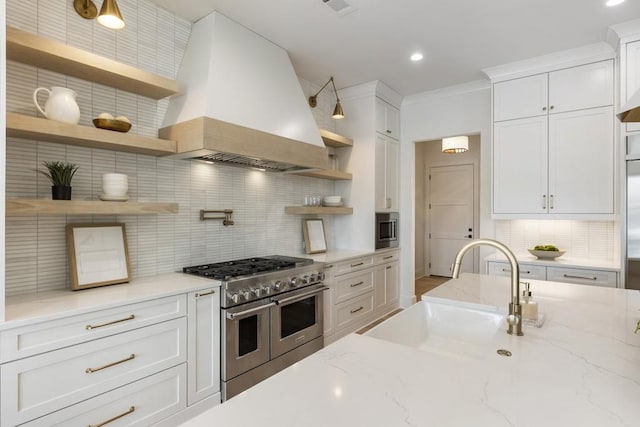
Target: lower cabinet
580	276
360	291
135	364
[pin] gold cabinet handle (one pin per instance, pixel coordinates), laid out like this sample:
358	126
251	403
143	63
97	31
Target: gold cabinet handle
637	327
388	267
357	310
569	276
198	295
117	417
328	266
387	257
92	370
357	264
101	325
353	285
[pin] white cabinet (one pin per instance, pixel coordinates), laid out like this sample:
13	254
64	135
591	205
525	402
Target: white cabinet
203	352
386	173
555	155
360	291
387	119
581	276
632	77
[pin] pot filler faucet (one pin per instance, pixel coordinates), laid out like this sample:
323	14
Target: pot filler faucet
515	310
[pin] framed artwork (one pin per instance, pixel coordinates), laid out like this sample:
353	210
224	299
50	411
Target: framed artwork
314	237
98	255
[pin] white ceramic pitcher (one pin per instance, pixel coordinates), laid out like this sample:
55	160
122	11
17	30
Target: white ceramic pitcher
60	106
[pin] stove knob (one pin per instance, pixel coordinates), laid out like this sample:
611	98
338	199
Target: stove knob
305	280
266	289
245	294
256	292
294	282
278	286
321	276
313	278
233	297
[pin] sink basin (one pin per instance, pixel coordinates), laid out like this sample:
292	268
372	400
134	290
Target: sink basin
441	328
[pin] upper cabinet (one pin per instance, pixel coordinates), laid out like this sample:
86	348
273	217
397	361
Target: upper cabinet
386	173
553	143
631	55
387	119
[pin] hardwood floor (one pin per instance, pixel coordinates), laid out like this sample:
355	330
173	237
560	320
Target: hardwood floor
422	285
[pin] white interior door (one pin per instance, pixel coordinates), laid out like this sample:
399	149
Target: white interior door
450	216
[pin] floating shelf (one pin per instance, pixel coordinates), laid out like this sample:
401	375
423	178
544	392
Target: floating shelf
21	126
317	210
31	49
326	174
334	140
18	207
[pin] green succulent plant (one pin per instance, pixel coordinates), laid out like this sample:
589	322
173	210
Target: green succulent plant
59	173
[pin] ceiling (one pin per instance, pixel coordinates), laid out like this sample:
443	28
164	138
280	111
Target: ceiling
458	38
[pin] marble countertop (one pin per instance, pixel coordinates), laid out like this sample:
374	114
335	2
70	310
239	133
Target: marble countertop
563	261
344	255
581	368
31	308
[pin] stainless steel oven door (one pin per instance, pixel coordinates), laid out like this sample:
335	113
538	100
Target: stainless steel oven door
245	337
296	318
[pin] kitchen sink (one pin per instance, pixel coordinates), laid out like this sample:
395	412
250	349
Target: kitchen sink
443	328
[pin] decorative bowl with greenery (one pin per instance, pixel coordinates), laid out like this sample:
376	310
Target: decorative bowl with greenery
60	175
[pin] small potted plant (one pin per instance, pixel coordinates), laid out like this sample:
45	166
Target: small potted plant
60	175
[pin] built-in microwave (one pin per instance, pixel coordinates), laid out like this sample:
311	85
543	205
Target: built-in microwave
386	230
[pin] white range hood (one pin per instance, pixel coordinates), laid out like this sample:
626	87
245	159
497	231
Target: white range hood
241	102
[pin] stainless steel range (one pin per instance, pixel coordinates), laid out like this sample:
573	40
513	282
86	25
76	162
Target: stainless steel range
271	316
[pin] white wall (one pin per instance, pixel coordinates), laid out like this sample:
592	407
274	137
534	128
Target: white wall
153	40
459	110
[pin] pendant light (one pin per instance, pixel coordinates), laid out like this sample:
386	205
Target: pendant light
109	15
455	144
337	111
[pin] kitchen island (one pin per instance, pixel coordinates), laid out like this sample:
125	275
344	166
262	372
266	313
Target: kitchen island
582	367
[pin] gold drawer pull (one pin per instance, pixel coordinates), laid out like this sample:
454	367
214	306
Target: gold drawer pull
198	295
388	267
356	284
637	327
91	370
89	327
387	257
117	417
328	266
569	276
357	264
357	310
508	270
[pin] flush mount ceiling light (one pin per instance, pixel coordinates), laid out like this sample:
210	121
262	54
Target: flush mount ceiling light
614	2
455	144
109	15
416	57
337	111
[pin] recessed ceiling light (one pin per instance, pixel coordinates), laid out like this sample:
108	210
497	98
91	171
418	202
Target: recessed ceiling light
614	2
416	56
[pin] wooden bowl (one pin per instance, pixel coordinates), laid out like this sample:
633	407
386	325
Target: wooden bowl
112	124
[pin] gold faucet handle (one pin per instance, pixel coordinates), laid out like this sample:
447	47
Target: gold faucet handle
637	327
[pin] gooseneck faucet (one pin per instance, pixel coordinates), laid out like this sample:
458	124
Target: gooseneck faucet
515	309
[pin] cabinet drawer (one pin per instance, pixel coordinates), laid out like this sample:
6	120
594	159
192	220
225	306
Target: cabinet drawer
583	276
141	403
386	257
353	265
351	311
528	271
354	284
79	372
51	335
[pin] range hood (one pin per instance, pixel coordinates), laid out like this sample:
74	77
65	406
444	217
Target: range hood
241	102
630	112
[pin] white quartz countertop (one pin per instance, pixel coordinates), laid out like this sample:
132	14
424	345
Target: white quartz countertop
582	368
21	310
565	260
345	255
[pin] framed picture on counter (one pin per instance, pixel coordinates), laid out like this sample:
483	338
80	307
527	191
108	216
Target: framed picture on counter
98	255
314	237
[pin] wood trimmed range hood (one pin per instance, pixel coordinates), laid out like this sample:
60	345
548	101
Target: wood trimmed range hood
241	102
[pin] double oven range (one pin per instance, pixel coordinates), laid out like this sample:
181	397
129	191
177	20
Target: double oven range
271	316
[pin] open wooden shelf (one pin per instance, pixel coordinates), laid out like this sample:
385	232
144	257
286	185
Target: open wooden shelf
334	140
21	126
326	174
317	210
31	49
18	207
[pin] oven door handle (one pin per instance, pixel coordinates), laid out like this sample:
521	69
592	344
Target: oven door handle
233	316
301	296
